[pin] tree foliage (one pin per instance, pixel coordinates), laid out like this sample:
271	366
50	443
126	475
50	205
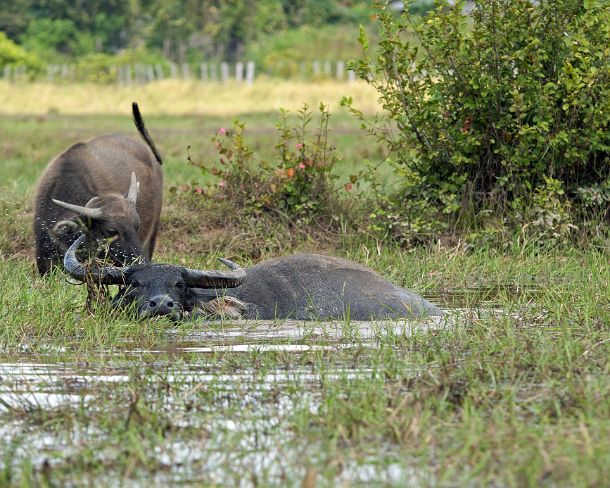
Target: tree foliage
182	30
13	55
505	112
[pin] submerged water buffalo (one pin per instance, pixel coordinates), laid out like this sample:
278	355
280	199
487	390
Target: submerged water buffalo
302	286
108	187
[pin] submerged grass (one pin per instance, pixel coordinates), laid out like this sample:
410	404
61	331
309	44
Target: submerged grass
511	389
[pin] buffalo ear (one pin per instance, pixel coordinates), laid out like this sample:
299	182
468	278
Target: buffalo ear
64	227
191	300
227	307
61	233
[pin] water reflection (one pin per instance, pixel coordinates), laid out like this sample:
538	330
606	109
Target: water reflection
246	405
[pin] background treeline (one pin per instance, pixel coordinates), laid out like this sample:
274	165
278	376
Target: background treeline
181	30
278	35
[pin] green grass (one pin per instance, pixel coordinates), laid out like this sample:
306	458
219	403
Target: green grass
29	142
511	390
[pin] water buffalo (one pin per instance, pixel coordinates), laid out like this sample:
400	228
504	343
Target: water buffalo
110	188
302	286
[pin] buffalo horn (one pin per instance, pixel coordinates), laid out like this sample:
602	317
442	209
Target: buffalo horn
108	275
93	213
230	264
132	194
215	279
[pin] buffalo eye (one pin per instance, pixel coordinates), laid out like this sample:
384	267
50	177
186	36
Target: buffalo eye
134	283
110	233
179	285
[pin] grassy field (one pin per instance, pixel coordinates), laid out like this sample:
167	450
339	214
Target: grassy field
510	389
181	98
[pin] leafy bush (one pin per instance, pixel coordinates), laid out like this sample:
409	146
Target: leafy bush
13	55
102	68
99	68
281	54
298	187
52	37
502	113
420	7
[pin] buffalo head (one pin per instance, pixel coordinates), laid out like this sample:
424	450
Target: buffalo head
110	218
154	289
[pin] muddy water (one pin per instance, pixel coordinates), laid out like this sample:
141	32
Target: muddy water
50	382
230	409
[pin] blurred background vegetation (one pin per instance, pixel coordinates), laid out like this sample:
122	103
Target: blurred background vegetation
277	35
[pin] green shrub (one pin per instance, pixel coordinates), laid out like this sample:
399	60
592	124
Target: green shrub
98	68
52	37
13	55
501	114
291	52
102	68
420	7
298	186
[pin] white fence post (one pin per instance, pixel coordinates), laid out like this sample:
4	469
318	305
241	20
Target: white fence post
186	71
150	73
327	68
224	72
250	72
138	74
173	71
239	72
340	69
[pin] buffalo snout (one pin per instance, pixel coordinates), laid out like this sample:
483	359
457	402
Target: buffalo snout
159	305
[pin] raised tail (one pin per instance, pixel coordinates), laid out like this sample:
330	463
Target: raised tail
139	121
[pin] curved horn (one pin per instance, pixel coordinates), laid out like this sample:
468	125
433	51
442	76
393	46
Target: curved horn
214	278
132	194
108	275
230	264
93	213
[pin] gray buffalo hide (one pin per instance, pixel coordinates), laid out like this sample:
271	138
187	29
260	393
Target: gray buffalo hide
312	286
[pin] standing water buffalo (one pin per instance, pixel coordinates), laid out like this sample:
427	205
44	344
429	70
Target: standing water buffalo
302	286
109	187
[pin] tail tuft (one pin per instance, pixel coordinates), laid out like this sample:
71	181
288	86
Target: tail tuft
139	122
